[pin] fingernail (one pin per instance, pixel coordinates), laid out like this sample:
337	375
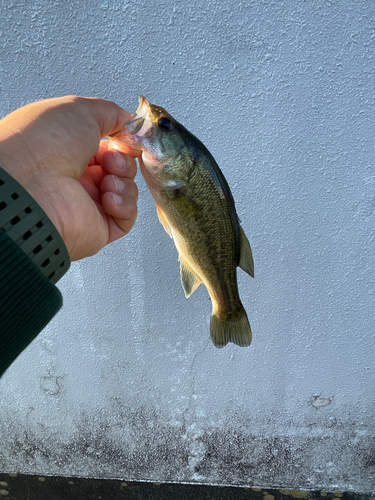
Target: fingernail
119	185
120	161
117	198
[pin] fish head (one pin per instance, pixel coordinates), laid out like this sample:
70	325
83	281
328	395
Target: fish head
153	130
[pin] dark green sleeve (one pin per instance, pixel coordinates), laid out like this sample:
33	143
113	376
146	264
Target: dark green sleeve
28	301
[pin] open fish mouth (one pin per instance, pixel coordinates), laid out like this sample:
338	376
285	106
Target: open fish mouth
138	119
135	125
138	126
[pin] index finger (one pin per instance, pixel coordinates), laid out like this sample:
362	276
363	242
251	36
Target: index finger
104	146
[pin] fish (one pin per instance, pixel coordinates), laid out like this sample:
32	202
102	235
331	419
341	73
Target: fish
196	208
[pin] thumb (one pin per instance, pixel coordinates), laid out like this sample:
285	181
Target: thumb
111	118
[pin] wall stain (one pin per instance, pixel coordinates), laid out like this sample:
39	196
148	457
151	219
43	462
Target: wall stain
138	444
318	402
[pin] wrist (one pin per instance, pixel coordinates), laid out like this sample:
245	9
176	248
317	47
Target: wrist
29	175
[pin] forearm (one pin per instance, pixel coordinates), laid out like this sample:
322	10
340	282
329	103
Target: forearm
32	258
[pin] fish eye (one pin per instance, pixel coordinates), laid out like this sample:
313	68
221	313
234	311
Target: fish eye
164	123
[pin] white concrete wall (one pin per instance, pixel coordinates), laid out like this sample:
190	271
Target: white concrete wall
125	382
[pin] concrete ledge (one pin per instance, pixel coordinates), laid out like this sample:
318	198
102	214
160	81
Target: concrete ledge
22	487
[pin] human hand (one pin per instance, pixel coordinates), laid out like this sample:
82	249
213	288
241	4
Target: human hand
53	149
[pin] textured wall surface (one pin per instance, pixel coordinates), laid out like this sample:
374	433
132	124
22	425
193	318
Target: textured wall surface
125	382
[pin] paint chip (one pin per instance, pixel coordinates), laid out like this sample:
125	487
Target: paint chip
12	474
4	493
70	482
318	402
323	493
41	479
124	484
268	497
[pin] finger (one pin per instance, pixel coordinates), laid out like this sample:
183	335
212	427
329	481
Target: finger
104	146
121	146
115	231
121	186
95	172
123	209
120	164
111	118
91	187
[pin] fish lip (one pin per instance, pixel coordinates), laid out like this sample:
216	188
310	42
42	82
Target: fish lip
143	106
139	117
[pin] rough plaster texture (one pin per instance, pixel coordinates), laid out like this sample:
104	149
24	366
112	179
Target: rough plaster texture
125	382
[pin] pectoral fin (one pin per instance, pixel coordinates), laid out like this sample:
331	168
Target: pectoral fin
246	258
173	185
190	281
163	220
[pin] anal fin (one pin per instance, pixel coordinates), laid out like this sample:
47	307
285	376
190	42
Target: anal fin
190	282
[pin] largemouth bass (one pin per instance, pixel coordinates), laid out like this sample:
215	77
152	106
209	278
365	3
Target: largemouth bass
196	208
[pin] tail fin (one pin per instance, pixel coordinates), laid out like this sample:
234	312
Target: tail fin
231	327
